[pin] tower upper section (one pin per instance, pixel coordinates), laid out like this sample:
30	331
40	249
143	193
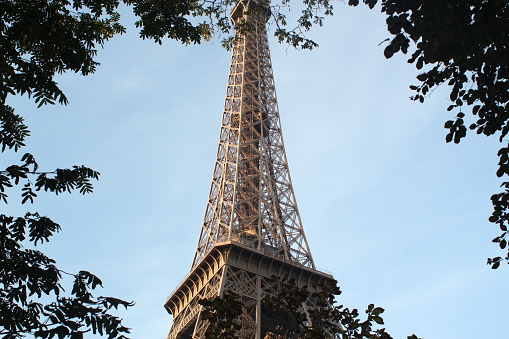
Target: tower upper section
251	199
250	10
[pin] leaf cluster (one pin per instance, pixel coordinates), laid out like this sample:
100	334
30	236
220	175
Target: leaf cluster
463	44
197	20
312	313
41	38
27	275
312	14
222	314
57	181
38	40
302	312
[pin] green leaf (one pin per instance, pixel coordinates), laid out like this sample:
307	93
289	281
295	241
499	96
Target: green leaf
377	311
493	218
422	77
388	52
449	136
378	320
420	63
503	244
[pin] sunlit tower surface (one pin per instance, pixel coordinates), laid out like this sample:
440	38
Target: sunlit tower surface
252	228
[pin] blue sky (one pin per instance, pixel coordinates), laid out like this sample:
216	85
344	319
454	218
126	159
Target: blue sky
396	214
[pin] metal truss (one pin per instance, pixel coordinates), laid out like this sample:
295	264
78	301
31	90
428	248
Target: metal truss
235	268
252	229
251	198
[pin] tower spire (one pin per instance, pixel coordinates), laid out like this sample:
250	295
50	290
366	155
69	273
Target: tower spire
251	199
252	228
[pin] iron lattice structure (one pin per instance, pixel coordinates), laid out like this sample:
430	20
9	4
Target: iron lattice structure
251	199
252	229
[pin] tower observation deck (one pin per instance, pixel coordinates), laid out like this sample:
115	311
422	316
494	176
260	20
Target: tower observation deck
252	228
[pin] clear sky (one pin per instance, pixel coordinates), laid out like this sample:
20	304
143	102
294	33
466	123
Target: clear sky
396	214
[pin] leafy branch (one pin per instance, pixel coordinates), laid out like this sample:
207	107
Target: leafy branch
462	44
301	311
58	181
32	275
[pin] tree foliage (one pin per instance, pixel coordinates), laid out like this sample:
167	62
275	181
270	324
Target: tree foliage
306	313
40	39
28	277
463	44
222	313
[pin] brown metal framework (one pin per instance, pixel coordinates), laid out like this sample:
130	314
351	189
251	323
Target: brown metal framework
252	228
251	199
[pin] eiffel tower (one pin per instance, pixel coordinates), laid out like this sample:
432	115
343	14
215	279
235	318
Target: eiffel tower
252	229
